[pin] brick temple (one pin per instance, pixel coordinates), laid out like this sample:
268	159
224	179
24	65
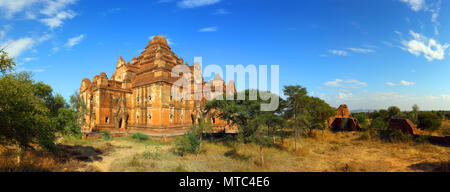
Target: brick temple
138	96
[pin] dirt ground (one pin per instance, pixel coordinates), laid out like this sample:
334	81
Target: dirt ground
330	152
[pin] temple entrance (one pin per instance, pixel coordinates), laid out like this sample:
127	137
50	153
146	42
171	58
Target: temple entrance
120	123
192	119
126	121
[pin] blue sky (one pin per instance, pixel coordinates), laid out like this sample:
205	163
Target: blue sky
367	54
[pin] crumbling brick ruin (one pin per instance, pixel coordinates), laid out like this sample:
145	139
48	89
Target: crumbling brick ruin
343	120
138	97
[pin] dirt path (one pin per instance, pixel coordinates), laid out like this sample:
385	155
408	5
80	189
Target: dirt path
120	150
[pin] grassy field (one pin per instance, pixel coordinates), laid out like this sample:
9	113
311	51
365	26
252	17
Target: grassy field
341	151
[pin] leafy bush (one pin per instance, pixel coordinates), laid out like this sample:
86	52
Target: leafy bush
140	136
446	132
362	118
429	121
399	136
369	134
152	152
106	135
189	143
378	123
422	139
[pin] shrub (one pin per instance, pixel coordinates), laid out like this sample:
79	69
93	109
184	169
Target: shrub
446	131
365	136
362	118
378	123
140	136
152	152
399	136
189	143
106	135
422	139
429	121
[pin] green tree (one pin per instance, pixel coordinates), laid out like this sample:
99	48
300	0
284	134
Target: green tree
242	113
415	111
429	121
305	112
362	118
24	114
394	112
295	109
6	63
319	113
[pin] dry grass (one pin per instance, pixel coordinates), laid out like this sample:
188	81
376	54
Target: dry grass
341	151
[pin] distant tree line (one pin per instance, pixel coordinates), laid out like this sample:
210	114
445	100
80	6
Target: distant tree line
426	120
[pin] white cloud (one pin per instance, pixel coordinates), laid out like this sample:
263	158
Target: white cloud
407	83
361	50
345	95
208	29
383	100
339	52
221	12
74	41
29	59
415	5
196	3
11	7
430	48
433	7
57	20
55	12
350	83
390	83
17	47
54	7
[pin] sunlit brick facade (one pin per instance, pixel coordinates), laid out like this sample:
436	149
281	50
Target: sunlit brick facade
138	97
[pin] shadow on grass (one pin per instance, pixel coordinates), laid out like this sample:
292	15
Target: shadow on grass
40	160
78	152
431	166
235	155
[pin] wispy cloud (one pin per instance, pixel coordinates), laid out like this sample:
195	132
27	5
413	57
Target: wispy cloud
74	41
17	47
221	12
390	83
208	29
196	3
430	48
432	7
56	12
382	100
347	84
361	50
415	5
50	12
407	83
338	52
11	7
27	59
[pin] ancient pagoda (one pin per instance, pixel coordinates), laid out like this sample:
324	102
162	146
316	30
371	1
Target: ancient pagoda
138	97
